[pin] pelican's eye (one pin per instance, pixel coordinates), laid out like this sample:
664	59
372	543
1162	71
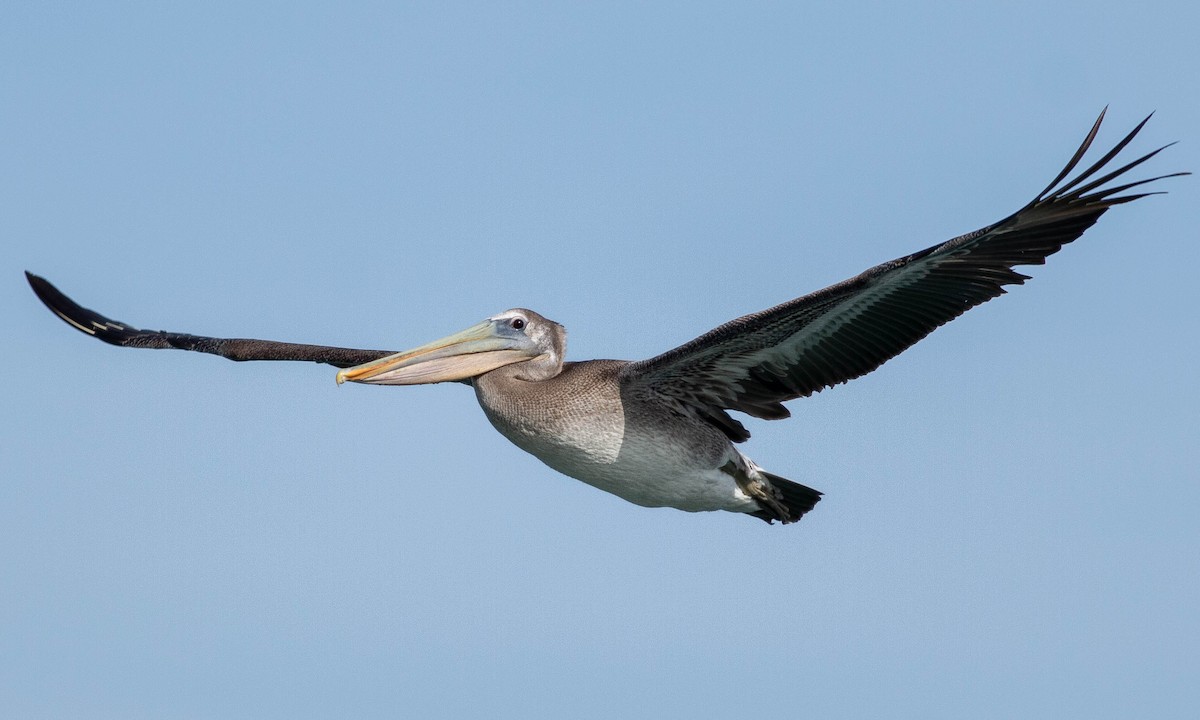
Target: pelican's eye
517	323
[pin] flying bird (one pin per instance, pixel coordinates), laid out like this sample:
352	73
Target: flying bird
658	432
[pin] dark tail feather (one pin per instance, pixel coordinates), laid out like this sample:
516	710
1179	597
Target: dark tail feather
798	499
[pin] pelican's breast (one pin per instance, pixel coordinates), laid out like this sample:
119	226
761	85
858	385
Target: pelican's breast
573	421
578	424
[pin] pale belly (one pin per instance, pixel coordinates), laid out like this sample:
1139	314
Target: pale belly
660	462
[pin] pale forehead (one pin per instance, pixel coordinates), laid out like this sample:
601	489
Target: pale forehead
508	314
517	313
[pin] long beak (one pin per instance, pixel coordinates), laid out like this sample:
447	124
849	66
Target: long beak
470	353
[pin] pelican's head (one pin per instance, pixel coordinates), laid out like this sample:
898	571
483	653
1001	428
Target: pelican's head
513	336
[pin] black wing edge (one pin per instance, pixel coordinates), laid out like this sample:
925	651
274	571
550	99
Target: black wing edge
1067	210
1077	192
116	333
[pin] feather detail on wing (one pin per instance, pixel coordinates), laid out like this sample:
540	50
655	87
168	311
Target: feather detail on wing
754	363
116	333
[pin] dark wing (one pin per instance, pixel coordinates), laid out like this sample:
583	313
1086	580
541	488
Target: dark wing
115	333
754	363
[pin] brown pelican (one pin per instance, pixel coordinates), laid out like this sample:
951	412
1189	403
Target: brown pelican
658	432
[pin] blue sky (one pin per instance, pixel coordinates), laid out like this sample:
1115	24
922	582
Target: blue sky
1009	524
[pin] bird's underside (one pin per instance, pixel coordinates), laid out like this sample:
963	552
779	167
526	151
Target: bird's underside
752	364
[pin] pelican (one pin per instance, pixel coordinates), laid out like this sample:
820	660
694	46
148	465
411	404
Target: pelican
658	432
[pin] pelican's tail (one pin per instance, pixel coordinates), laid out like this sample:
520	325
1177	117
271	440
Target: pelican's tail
797	499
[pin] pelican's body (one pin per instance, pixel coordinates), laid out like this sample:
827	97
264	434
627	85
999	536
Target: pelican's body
577	423
658	432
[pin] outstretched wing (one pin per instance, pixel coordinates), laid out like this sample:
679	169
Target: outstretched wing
754	363
115	333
